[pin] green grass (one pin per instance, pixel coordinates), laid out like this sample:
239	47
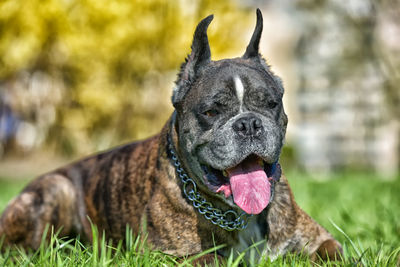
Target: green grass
361	211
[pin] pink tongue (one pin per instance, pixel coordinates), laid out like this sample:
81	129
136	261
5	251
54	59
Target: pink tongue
250	187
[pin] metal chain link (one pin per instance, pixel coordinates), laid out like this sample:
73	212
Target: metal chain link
229	220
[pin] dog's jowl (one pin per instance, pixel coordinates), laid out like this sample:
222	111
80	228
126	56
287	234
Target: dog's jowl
210	177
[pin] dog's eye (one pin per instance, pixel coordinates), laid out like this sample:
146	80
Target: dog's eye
272	104
211	113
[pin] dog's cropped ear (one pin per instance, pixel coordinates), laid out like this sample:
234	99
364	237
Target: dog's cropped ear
200	56
252	48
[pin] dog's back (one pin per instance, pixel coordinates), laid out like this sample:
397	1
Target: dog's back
111	188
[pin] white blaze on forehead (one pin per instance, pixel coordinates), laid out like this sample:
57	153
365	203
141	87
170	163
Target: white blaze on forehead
239	90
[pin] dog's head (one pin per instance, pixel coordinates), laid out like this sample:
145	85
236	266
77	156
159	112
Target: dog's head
230	121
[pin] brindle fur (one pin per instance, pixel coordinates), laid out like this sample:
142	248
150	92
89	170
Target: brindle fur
134	185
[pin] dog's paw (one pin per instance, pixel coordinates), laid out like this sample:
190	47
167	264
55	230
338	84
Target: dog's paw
329	249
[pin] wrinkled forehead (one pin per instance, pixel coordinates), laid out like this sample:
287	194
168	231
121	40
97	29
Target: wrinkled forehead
236	76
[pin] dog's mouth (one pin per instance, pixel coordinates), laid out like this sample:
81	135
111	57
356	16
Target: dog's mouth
248	183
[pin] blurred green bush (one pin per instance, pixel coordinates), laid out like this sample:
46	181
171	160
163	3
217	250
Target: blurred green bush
107	66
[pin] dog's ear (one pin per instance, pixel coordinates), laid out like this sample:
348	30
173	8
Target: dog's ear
200	56
252	48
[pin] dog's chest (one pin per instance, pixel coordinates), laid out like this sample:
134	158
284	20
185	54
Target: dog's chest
247	238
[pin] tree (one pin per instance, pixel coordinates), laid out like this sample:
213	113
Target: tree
109	66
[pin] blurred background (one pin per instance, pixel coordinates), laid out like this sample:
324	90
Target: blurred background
78	77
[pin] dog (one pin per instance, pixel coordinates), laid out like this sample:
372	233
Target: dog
210	177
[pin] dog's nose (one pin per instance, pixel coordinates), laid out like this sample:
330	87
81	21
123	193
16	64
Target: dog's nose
249	125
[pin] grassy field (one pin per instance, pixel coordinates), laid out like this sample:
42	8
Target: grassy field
361	211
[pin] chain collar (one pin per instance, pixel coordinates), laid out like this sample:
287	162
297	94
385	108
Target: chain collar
229	220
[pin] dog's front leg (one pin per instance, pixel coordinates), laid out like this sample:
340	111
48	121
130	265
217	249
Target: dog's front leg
292	230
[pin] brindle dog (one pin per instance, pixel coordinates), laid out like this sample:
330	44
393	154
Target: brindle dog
210	177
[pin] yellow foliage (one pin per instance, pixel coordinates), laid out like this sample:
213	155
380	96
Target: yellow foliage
108	54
